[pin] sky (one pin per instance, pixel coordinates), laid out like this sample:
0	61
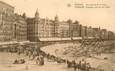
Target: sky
95	17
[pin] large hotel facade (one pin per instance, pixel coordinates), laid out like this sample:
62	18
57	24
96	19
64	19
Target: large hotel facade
14	27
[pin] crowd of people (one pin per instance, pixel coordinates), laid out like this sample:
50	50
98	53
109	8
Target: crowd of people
38	55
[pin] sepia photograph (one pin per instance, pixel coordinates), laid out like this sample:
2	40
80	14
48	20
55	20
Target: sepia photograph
57	35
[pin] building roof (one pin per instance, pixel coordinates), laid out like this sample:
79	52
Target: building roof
6	4
95	28
103	30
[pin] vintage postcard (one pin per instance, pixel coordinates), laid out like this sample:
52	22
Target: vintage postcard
57	35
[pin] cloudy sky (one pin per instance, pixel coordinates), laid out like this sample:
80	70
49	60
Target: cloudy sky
103	17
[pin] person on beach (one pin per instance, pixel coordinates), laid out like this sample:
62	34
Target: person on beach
74	65
37	60
83	64
20	61
34	54
15	62
68	64
88	67
41	59
79	66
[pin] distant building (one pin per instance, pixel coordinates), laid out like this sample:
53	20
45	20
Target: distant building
90	32
76	29
32	27
56	24
63	29
19	28
70	27
104	34
83	31
111	35
96	32
40	28
46	28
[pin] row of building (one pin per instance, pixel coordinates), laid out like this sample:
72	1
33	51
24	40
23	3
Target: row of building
22	28
46	28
